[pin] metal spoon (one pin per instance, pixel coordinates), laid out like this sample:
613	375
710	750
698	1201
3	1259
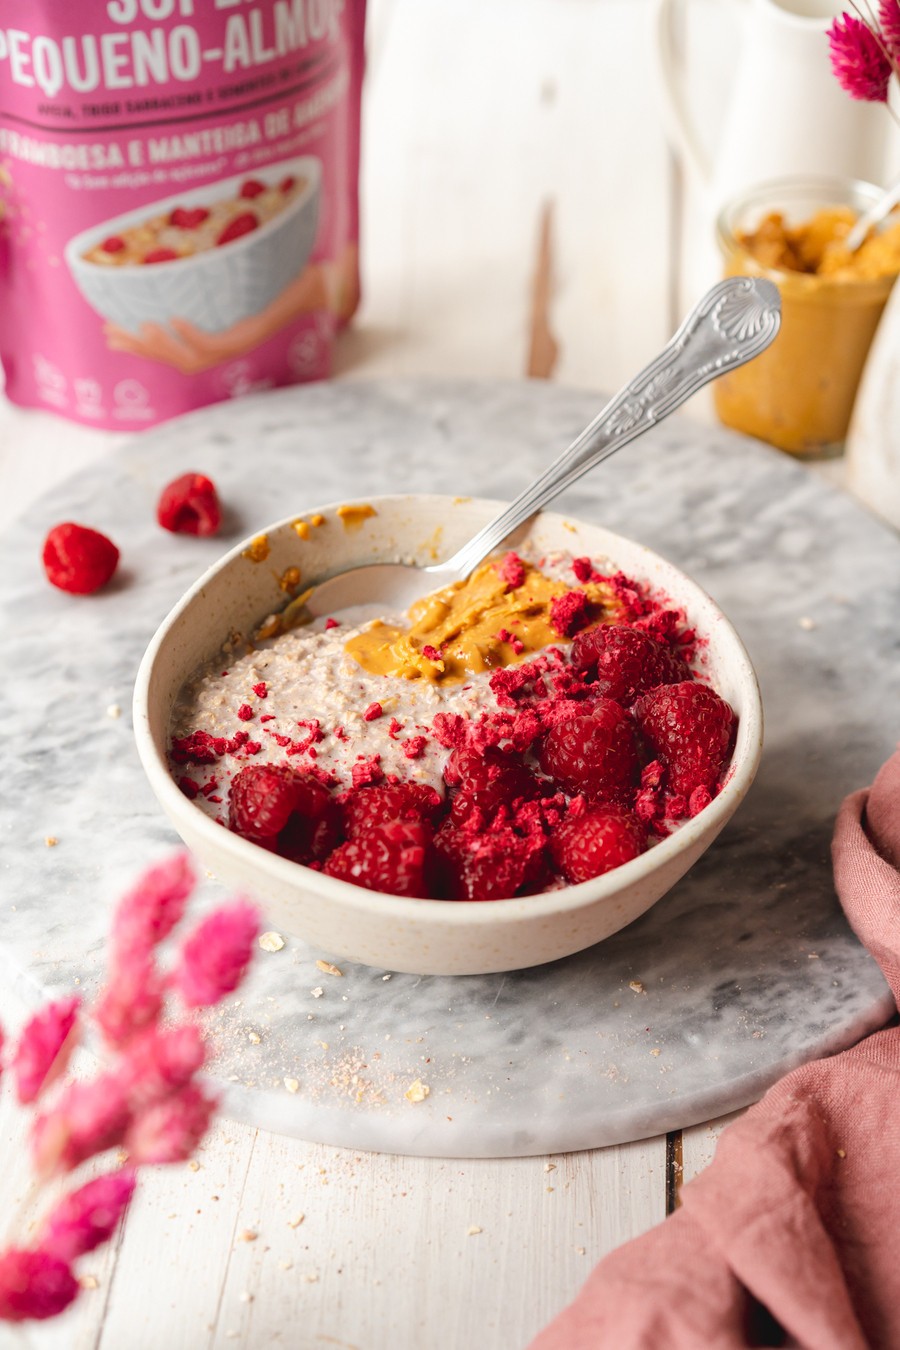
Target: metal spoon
874	216
734	322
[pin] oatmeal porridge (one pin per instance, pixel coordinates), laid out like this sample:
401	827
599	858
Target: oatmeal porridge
533	727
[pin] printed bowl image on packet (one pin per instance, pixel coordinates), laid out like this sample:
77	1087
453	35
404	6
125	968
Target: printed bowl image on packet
212	255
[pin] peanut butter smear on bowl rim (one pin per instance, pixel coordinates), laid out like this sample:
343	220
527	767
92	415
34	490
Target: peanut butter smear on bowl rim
471	626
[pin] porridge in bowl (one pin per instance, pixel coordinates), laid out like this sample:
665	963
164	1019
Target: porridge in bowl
534	727
183	232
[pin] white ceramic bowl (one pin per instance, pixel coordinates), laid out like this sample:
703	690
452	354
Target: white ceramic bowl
215	288
434	937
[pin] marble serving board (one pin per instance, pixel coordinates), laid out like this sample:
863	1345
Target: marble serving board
746	969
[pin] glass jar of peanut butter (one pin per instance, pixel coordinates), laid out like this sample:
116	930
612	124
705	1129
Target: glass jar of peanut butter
798	395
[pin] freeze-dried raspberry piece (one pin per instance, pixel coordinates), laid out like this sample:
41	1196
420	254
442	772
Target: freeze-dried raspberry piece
188	219
286	183
595	841
624	662
364	808
114	244
690	728
568	613
240	225
160	255
395	858
78	559
251	187
512	570
593	752
286	811
189	505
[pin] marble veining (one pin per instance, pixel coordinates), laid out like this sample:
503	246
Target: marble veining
746	969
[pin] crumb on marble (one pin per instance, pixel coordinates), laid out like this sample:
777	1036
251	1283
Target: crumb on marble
328	968
292	1084
473	1230
51	841
637	986
417	1091
271	942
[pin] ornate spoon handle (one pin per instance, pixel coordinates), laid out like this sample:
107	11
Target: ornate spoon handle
734	322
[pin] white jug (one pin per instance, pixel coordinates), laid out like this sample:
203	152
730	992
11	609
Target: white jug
786	113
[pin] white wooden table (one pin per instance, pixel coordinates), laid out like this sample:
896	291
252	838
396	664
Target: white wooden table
522	214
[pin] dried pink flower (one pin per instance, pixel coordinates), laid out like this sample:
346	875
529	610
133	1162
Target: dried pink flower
161	1061
858	59
150	911
133	998
889	24
215	956
86	1217
45	1047
170	1130
88	1118
34	1284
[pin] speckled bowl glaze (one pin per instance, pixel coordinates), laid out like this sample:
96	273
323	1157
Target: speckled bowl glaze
429	937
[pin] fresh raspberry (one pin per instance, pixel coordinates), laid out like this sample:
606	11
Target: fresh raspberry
624	662
486	781
395	858
490	866
78	559
568	613
474	770
286	811
365	808
596	841
690	728
189	505
240	225
286	184
250	188
594	753
114	244
185	219
160	255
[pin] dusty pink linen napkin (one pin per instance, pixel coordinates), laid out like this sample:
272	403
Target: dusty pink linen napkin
792	1235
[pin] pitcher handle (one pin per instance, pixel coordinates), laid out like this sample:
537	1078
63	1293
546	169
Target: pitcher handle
679	127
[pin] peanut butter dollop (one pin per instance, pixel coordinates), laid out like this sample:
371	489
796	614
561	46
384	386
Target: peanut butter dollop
475	625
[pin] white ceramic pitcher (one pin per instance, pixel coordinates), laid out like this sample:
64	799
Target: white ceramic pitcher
786	113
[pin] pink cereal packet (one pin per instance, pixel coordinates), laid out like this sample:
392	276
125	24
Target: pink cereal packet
179	216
